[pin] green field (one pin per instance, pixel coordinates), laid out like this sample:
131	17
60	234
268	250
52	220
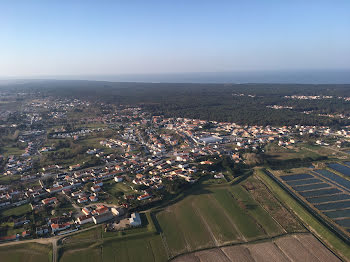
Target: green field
26	252
174	238
94	233
84	254
116	190
134	244
16	211
274	208
221	225
8	151
142	248
6	180
112	187
260	215
244	222
326	151
300	155
91	142
193	228
217	215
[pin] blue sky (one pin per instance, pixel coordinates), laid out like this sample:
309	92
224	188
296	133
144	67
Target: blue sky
41	38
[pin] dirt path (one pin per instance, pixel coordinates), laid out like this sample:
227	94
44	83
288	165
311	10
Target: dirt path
165	243
45	241
54	250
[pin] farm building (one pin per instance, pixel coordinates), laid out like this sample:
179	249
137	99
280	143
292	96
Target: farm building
103	217
117	211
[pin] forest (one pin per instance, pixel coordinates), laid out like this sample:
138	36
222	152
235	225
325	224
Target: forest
239	103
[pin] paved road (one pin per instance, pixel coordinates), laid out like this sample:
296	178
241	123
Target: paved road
101	203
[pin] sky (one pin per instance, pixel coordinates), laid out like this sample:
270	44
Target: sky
41	38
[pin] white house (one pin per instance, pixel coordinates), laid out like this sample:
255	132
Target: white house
95	188
135	219
115	211
84	219
82	200
118	179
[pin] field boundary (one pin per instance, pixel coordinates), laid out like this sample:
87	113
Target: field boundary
337	172
339	247
339	233
254	241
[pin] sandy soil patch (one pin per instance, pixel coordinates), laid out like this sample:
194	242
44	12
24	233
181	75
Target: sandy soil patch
238	253
316	248
268	252
294	250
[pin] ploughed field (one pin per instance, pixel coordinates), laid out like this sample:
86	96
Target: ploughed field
298	247
214	216
326	191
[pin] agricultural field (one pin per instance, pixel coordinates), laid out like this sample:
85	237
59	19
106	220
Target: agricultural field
298	247
292	152
208	216
30	252
325	151
135	244
232	221
140	248
214	216
325	191
94	233
323	232
277	157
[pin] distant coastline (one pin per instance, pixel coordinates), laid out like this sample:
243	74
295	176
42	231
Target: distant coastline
280	77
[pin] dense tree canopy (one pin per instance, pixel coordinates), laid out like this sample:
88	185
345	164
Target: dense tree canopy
240	103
